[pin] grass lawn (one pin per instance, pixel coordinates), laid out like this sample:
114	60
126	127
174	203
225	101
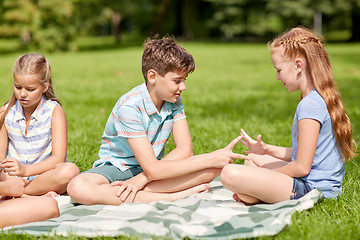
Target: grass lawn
233	87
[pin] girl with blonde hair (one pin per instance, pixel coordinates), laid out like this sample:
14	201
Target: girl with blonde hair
321	133
33	131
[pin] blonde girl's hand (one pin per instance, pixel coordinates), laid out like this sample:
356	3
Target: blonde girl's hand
13	167
255	146
15	186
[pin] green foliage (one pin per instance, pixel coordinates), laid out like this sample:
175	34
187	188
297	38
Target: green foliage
53	25
233	87
41	24
235	18
95	16
263	19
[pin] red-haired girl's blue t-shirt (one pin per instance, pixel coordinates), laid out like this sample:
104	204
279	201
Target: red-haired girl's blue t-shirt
328	170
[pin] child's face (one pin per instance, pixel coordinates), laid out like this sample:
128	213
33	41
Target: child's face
170	87
28	91
285	70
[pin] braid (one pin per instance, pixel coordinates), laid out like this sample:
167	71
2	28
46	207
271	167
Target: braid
296	46
303	40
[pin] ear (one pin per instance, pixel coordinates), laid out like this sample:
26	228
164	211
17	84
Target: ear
299	65
46	87
151	76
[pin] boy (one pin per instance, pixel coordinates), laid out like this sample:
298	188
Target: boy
140	124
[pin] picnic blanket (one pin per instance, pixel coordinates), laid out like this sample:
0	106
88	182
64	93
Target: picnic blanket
210	215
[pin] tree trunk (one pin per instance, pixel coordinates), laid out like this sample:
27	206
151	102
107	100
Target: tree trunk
355	29
116	20
160	17
187	19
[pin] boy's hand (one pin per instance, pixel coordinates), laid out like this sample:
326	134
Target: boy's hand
225	155
126	190
255	146
130	187
13	167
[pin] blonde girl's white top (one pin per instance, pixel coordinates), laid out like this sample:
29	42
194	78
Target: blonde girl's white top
35	145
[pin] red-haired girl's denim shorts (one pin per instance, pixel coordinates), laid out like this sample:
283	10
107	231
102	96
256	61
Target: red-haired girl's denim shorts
300	188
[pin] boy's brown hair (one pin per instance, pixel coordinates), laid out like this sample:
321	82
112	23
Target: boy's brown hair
165	55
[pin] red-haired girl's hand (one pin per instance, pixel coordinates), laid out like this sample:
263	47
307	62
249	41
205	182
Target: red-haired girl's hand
255	146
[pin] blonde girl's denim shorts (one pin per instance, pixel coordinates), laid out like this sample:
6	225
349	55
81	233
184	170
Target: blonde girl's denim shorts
300	188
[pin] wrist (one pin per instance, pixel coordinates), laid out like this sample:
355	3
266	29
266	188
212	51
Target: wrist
24	171
266	149
146	178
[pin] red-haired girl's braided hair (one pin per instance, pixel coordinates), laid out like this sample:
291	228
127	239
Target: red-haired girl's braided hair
301	42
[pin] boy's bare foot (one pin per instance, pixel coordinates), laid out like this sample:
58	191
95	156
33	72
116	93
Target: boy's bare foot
190	191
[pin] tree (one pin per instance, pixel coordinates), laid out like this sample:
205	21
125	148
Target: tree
265	18
39	24
239	18
333	15
115	17
355	18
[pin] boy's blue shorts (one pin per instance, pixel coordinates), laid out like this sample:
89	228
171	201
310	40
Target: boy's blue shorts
300	188
113	173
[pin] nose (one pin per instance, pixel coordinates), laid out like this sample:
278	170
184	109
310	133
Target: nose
182	86
23	93
278	76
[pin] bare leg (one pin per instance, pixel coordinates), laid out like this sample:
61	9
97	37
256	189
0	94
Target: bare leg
145	196
265	161
183	182
28	209
55	180
92	188
254	184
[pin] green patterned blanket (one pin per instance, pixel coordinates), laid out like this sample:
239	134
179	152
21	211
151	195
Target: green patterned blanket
211	215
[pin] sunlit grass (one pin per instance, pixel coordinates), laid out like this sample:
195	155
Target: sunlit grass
233	87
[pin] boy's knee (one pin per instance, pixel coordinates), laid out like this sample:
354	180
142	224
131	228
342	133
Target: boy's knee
79	189
213	173
209	174
75	185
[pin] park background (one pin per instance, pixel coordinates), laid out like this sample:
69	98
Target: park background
95	46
